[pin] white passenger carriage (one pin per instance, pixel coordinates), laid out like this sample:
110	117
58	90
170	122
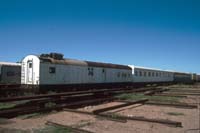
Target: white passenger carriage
53	69
183	77
150	75
10	73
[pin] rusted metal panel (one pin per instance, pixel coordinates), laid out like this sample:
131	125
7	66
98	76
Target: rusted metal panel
61	60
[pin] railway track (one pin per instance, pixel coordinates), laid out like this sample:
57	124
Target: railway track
70	101
38	103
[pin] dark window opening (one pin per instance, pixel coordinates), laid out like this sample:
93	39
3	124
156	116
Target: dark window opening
140	73
103	70
149	74
52	70
152	74
145	73
136	73
30	65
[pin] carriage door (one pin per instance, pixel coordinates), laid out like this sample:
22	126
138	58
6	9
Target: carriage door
30	72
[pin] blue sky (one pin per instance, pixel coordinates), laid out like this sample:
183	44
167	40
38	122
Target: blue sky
153	33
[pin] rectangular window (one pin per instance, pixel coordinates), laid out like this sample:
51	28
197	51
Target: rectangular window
30	65
52	70
90	71
149	74
145	74
141	73
103	70
152	74
156	74
136	73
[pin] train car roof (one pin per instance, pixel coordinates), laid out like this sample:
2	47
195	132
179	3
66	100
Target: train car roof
178	72
147	68
65	61
10	64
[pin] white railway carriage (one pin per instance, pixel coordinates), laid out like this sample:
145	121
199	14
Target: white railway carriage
10	73
150	75
182	77
53	69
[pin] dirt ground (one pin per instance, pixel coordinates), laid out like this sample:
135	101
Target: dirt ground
188	117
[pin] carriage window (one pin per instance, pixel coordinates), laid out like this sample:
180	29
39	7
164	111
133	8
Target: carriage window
145	73
136	73
157	74
52	70
30	65
160	74
152	74
125	75
149	74
140	73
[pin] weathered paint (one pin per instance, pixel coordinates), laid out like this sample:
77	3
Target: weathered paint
54	72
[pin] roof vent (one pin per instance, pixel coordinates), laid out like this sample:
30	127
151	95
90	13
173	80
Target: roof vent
57	56
44	55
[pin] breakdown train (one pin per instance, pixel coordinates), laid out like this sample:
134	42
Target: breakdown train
52	70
